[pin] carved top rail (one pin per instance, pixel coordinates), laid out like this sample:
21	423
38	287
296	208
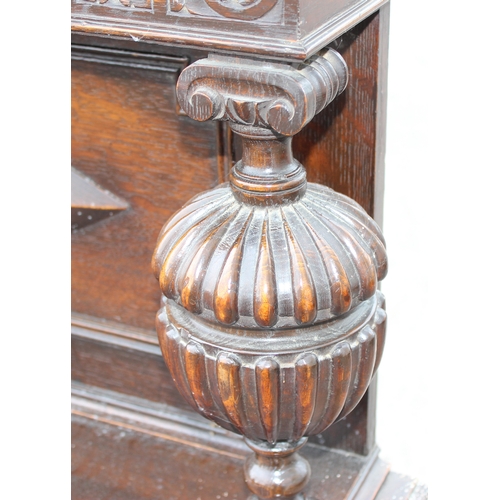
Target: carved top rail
274	29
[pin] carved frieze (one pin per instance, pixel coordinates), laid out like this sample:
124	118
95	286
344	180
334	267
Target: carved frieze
121	4
244	10
267	11
287	30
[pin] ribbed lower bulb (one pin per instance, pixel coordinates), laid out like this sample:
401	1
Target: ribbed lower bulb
274	390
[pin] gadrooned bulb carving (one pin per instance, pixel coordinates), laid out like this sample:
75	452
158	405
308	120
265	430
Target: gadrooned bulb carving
274	388
272	267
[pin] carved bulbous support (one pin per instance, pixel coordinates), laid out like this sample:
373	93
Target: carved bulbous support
271	323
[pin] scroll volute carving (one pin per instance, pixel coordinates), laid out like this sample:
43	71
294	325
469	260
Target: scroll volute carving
271	323
274	96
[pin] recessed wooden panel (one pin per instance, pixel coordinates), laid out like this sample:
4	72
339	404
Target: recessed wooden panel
128	371
128	138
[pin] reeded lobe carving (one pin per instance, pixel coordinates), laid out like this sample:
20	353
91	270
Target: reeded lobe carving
283	395
312	260
265	300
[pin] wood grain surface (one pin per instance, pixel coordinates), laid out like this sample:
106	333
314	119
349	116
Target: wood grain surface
125	447
339	146
128	138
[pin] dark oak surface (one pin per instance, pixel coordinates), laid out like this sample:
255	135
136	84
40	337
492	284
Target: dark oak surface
122	364
111	258
130	138
275	29
127	448
156	167
339	147
108	464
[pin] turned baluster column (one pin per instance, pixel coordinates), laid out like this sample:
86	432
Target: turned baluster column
271	323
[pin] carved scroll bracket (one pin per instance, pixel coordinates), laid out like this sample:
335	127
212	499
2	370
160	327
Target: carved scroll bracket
280	97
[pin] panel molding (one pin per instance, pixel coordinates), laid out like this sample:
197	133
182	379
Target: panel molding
130	58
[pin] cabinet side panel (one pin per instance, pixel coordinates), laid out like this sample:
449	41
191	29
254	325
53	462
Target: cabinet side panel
128	138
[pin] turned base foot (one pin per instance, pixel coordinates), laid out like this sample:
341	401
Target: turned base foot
276	471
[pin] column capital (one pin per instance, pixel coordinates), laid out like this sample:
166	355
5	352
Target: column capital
252	93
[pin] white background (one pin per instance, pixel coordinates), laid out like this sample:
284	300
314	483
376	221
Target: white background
438	385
